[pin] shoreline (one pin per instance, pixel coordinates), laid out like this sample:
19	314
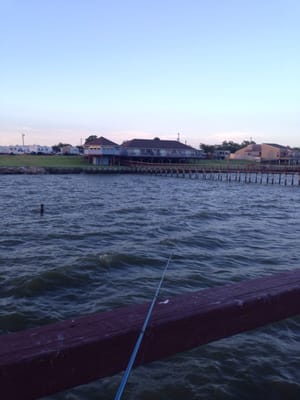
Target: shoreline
62	170
152	169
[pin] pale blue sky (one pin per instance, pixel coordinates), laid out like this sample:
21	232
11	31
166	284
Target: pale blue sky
212	70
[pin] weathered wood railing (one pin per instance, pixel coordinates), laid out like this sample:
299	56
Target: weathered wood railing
284	175
45	360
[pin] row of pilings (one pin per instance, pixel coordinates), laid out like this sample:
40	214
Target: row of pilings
279	177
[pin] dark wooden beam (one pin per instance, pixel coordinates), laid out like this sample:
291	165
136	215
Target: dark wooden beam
45	360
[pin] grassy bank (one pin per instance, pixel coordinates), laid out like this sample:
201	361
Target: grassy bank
17	161
43	161
80	162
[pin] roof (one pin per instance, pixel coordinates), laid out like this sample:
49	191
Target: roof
155	144
250	148
255	147
276	145
101	141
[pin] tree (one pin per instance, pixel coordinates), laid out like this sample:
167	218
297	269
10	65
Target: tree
90	139
229	146
247	142
57	147
207	148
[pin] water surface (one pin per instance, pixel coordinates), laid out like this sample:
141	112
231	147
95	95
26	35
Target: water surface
103	242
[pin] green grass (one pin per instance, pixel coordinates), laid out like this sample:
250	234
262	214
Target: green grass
80	162
43	161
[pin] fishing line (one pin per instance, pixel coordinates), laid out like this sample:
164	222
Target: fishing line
141	335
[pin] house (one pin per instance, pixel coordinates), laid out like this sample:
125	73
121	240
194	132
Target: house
219	154
158	151
275	153
252	152
267	153
102	151
295	156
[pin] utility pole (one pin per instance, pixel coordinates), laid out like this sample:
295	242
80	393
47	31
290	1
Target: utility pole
23	134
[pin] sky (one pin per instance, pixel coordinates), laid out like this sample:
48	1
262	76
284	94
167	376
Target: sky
210	70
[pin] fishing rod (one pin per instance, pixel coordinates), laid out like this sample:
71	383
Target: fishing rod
141	335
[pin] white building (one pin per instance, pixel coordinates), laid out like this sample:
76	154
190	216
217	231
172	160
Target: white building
26	149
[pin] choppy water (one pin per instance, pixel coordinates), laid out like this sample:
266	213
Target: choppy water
103	242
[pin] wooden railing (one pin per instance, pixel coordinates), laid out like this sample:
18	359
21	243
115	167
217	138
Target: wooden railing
48	359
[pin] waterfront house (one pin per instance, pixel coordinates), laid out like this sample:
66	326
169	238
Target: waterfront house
267	153
158	151
219	154
252	152
102	151
275	153
295	156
